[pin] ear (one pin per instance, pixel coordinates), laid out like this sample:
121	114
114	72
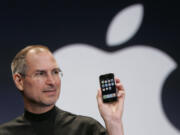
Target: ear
18	81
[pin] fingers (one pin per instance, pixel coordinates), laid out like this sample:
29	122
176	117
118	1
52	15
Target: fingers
120	94
119	86
117	80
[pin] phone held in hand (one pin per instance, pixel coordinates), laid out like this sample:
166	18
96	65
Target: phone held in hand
108	87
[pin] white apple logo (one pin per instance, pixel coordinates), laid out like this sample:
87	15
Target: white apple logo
142	70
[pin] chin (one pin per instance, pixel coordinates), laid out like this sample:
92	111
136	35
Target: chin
50	102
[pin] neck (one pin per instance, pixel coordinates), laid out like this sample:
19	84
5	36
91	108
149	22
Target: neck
47	116
36	108
39	110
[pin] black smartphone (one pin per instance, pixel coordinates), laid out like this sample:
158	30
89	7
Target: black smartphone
108	87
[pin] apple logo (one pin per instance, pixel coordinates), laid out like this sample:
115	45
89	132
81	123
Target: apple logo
141	68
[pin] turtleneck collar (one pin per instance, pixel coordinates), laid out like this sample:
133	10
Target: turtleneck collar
40	117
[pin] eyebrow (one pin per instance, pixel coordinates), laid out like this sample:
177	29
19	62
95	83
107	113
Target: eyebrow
42	70
57	69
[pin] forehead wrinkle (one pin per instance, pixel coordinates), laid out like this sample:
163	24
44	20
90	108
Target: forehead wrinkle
36	59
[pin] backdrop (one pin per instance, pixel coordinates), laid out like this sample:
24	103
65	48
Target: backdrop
136	40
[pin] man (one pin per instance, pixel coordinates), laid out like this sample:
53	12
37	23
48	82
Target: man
36	75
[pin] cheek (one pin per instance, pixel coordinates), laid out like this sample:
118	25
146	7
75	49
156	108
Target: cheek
58	86
33	87
58	83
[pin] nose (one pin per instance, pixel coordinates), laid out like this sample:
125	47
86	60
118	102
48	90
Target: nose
50	80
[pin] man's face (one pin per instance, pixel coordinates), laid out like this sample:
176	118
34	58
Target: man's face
41	84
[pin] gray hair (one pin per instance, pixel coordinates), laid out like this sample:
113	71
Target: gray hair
18	64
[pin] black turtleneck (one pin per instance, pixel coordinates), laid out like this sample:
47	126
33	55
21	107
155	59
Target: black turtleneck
53	122
43	124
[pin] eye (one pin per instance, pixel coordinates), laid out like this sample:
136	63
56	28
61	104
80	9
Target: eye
40	73
56	71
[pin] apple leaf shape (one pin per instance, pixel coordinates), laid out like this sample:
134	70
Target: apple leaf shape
124	25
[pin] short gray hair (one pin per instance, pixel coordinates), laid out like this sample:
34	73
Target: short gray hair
18	64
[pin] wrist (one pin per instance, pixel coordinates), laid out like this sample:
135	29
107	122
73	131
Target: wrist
113	119
114	127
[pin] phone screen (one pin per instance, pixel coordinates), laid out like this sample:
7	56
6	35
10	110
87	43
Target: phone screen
108	87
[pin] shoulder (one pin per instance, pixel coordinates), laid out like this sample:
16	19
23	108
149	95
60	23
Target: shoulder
68	116
14	122
12	125
79	121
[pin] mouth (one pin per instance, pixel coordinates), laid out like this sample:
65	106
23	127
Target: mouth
50	92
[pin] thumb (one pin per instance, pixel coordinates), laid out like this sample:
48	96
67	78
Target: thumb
99	97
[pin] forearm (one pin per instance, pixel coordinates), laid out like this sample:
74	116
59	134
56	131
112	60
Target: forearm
112	112
114	128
